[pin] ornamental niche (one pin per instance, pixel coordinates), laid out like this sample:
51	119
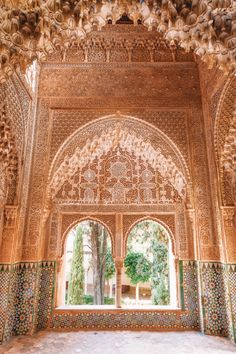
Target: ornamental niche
32	30
118	167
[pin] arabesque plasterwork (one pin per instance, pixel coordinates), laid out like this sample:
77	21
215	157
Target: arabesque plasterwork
119	146
225	142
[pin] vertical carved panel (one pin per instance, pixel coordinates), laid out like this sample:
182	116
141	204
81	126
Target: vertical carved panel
37	184
8	234
53	241
202	196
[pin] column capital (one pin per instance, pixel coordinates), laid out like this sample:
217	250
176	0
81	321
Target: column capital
119	262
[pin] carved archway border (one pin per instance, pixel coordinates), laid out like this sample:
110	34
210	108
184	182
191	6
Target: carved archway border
170	229
78	218
225	107
118	116
225	120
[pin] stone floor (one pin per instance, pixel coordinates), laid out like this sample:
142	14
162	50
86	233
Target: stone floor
119	343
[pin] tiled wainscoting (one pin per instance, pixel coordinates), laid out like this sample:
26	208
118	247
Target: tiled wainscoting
26	297
27	292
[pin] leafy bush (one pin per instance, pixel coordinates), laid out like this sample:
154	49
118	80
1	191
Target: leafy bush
109	301
88	299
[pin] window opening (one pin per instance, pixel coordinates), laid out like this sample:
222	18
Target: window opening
89	266
149	277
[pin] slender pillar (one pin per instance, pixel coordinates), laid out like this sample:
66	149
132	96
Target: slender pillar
119	262
61	280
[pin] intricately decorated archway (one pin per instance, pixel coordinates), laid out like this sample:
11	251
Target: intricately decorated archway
116	164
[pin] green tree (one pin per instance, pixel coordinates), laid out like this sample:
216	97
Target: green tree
138	269
76	280
110	270
160	273
98	241
154	242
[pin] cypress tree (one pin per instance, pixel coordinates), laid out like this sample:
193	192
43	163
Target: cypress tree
76	282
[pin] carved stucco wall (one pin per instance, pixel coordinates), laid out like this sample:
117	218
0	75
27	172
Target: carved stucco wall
165	94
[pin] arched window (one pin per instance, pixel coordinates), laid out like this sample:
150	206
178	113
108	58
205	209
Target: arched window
149	276
88	271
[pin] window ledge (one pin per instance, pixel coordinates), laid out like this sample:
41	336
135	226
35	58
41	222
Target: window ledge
112	308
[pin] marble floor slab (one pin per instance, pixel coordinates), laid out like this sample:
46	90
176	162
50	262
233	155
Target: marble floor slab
118	342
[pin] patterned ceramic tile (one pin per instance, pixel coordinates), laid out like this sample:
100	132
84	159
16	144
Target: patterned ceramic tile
28	289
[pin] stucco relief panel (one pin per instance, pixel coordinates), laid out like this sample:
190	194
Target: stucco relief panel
201	188
136	80
172	122
37	183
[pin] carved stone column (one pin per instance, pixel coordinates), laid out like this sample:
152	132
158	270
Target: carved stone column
43	231
61	281
119	263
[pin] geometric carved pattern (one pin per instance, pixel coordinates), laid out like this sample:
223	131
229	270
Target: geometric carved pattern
170	122
228	156
201	190
117	178
14	104
121	140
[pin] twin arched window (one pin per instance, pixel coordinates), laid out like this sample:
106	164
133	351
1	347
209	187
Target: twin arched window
88	275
